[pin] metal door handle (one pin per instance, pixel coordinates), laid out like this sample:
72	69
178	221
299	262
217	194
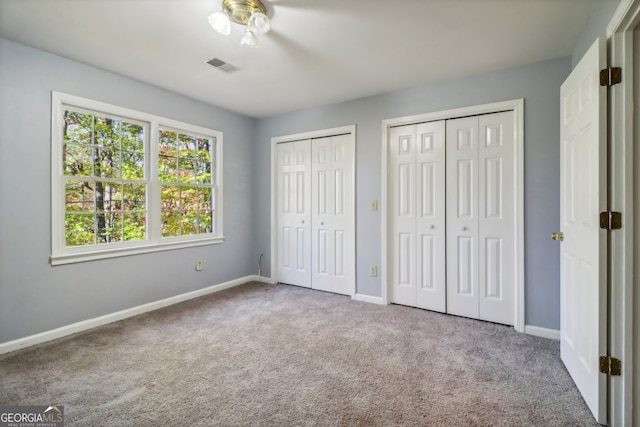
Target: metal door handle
558	236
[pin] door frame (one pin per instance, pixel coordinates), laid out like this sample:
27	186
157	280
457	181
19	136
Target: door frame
621	198
515	105
322	133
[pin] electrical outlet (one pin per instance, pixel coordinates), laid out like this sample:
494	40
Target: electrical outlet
199	266
373	270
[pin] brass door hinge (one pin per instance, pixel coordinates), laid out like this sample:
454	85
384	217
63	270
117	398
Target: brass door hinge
610	76
610	220
610	366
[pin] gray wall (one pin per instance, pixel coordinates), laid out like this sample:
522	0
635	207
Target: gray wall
538	84
596	27
35	297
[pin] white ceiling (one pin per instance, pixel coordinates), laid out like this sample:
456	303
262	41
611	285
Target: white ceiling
318	51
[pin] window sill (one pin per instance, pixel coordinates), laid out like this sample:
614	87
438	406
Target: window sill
138	250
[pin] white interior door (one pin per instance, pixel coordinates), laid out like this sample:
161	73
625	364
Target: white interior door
332	214
294	212
417	212
462	217
583	254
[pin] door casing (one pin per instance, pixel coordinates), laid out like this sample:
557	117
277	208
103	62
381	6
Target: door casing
622	187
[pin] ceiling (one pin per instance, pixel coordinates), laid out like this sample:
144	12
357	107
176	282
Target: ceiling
318	51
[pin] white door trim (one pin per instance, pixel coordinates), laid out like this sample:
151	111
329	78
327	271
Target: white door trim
621	189
517	106
351	129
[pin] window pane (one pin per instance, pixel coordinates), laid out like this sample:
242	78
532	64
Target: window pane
169	210
214	162
168	145
135	226
203	171
132	137
107	132
167	168
77	160
134	197
77	128
204	199
79	229
170	223
204	222
187	170
189	223
107	162
109	227
188	198
132	165
79	196
186	144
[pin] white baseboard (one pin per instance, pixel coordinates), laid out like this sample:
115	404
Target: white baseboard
114	317
368	298
553	334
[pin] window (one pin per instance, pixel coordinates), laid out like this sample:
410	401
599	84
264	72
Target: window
126	182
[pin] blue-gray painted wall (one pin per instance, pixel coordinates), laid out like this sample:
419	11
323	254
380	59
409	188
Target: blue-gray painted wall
538	84
36	297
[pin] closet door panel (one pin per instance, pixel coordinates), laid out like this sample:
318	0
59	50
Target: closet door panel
402	211
322	206
294	212
496	218
430	216
342	151
462	216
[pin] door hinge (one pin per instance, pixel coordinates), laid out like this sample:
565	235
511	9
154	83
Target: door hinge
610	220
610	366
610	76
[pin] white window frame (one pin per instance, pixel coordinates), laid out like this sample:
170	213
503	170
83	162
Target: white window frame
60	253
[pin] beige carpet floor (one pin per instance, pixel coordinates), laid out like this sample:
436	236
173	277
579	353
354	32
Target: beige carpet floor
278	355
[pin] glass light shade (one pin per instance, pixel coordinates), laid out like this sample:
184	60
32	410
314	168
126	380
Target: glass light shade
220	22
259	23
249	39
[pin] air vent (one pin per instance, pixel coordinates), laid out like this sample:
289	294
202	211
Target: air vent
221	65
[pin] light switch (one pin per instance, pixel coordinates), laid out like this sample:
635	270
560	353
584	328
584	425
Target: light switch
374	205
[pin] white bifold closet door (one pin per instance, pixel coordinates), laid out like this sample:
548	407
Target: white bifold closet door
480	220
294	212
332	206
316	237
417	187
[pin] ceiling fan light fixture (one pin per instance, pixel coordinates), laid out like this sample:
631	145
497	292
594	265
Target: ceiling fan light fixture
221	23
259	23
249	39
251	13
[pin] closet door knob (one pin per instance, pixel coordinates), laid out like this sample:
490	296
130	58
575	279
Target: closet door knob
432	226
463	228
